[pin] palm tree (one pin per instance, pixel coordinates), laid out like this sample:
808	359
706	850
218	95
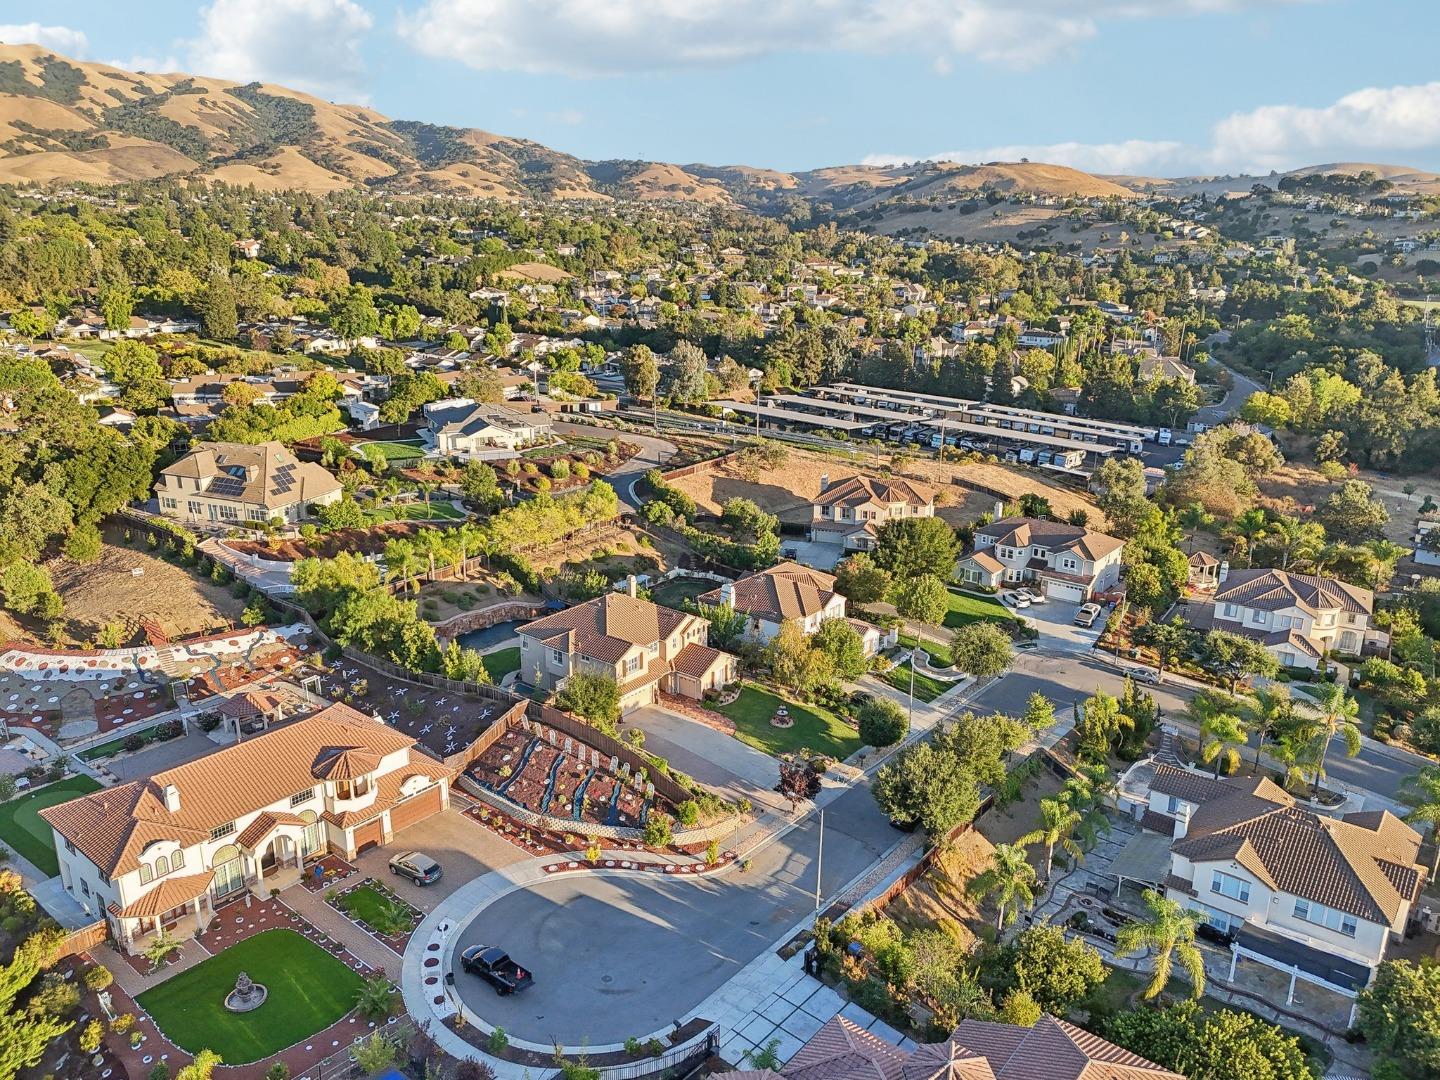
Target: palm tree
1245	530
1269	711
376	996
1421	792
1059	822
1009	878
1294	539
1087	792
403	561
1221	736
1336	714
1169	933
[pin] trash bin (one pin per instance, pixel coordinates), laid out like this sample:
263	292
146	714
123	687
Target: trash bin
812	961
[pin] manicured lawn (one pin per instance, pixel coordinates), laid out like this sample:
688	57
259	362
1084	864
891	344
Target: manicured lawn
22	828
309	991
369	905
967	608
814	728
677	590
940	655
416	511
926	688
395	451
502	661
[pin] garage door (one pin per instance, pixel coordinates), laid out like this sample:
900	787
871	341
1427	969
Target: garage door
416	808
1065	590
368	835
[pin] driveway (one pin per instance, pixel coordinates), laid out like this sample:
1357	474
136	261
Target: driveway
717	760
620	956
1055	619
463	847
654	452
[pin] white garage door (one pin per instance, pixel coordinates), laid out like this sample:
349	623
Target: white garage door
1065	590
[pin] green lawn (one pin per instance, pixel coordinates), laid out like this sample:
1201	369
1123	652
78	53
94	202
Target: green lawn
502	661
395	451
369	905
940	655
926	688
22	828
416	511
814	729
967	608
677	590
309	991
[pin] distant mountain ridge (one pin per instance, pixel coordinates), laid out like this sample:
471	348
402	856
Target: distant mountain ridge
71	120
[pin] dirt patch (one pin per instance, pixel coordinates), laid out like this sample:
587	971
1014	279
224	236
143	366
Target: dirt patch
790	491
616	553
110	590
369	541
1005	826
938	899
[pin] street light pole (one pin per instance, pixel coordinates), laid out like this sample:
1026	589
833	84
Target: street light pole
910	716
820	859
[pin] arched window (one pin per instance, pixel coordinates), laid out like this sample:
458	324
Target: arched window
162	866
146	874
177	860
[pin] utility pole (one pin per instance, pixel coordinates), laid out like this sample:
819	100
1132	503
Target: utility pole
910	716
820	859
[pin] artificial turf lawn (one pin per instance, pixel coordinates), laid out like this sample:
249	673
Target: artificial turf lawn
814	728
502	661
309	991
965	608
22	828
367	904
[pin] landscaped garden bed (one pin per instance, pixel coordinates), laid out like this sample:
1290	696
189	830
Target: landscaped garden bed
308	990
378	911
564	467
927	689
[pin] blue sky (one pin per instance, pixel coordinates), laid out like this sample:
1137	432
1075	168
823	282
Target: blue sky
1144	86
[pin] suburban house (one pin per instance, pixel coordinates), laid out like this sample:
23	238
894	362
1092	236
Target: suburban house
1069	562
850	512
647	649
1165	367
235	483
790	591
461	427
977	1050
1320	898
1298	617
164	852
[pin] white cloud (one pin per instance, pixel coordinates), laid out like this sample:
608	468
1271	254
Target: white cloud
581	37
1377	124
154	65
60	38
1372	123
310	45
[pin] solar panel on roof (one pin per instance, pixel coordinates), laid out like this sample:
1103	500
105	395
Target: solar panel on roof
226	485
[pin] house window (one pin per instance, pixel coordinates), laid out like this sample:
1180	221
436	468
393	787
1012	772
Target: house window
556	656
169	504
222	830
146	874
311	842
229	876
632	665
302	796
1231	886
1231	611
70	846
230	513
84	886
352	789
192	508
1221	920
177	860
1328	917
1172	805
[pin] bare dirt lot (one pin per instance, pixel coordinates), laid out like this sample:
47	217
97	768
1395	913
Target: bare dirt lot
109	590
938	899
790	490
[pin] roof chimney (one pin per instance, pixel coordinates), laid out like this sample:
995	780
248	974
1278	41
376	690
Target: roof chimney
172	798
824	481
727	593
632	586
1224	572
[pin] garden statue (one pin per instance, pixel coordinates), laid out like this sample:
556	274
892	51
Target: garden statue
247	995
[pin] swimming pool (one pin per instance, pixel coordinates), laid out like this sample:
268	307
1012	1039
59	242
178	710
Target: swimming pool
491	635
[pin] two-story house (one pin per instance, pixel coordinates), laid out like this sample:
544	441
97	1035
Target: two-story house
788	592
850	512
644	647
166	851
1320	898
225	484
1298	617
460	427
1069	562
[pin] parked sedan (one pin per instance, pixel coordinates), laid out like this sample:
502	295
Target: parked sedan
1014	599
418	867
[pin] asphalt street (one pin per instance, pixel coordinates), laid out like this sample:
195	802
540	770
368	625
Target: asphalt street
620	956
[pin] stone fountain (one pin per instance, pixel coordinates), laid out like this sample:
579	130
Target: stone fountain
247	995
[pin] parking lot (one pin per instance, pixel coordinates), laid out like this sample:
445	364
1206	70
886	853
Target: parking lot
464	848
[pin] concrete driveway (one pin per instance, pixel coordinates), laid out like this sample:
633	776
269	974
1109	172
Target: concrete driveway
654	452
1055	619
715	759
463	847
621	956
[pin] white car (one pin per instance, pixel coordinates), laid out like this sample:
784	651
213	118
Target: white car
1015	599
1033	597
1087	615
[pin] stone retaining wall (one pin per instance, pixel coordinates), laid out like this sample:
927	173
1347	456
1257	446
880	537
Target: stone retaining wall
486	617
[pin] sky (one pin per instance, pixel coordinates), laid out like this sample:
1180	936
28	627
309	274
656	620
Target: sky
1147	87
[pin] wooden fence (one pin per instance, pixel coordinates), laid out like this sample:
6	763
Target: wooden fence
84	939
708	465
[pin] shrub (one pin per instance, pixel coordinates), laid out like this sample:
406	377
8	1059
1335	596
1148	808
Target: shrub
658	832
97	977
882	722
133	743
92	1037
498	1041
688	812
